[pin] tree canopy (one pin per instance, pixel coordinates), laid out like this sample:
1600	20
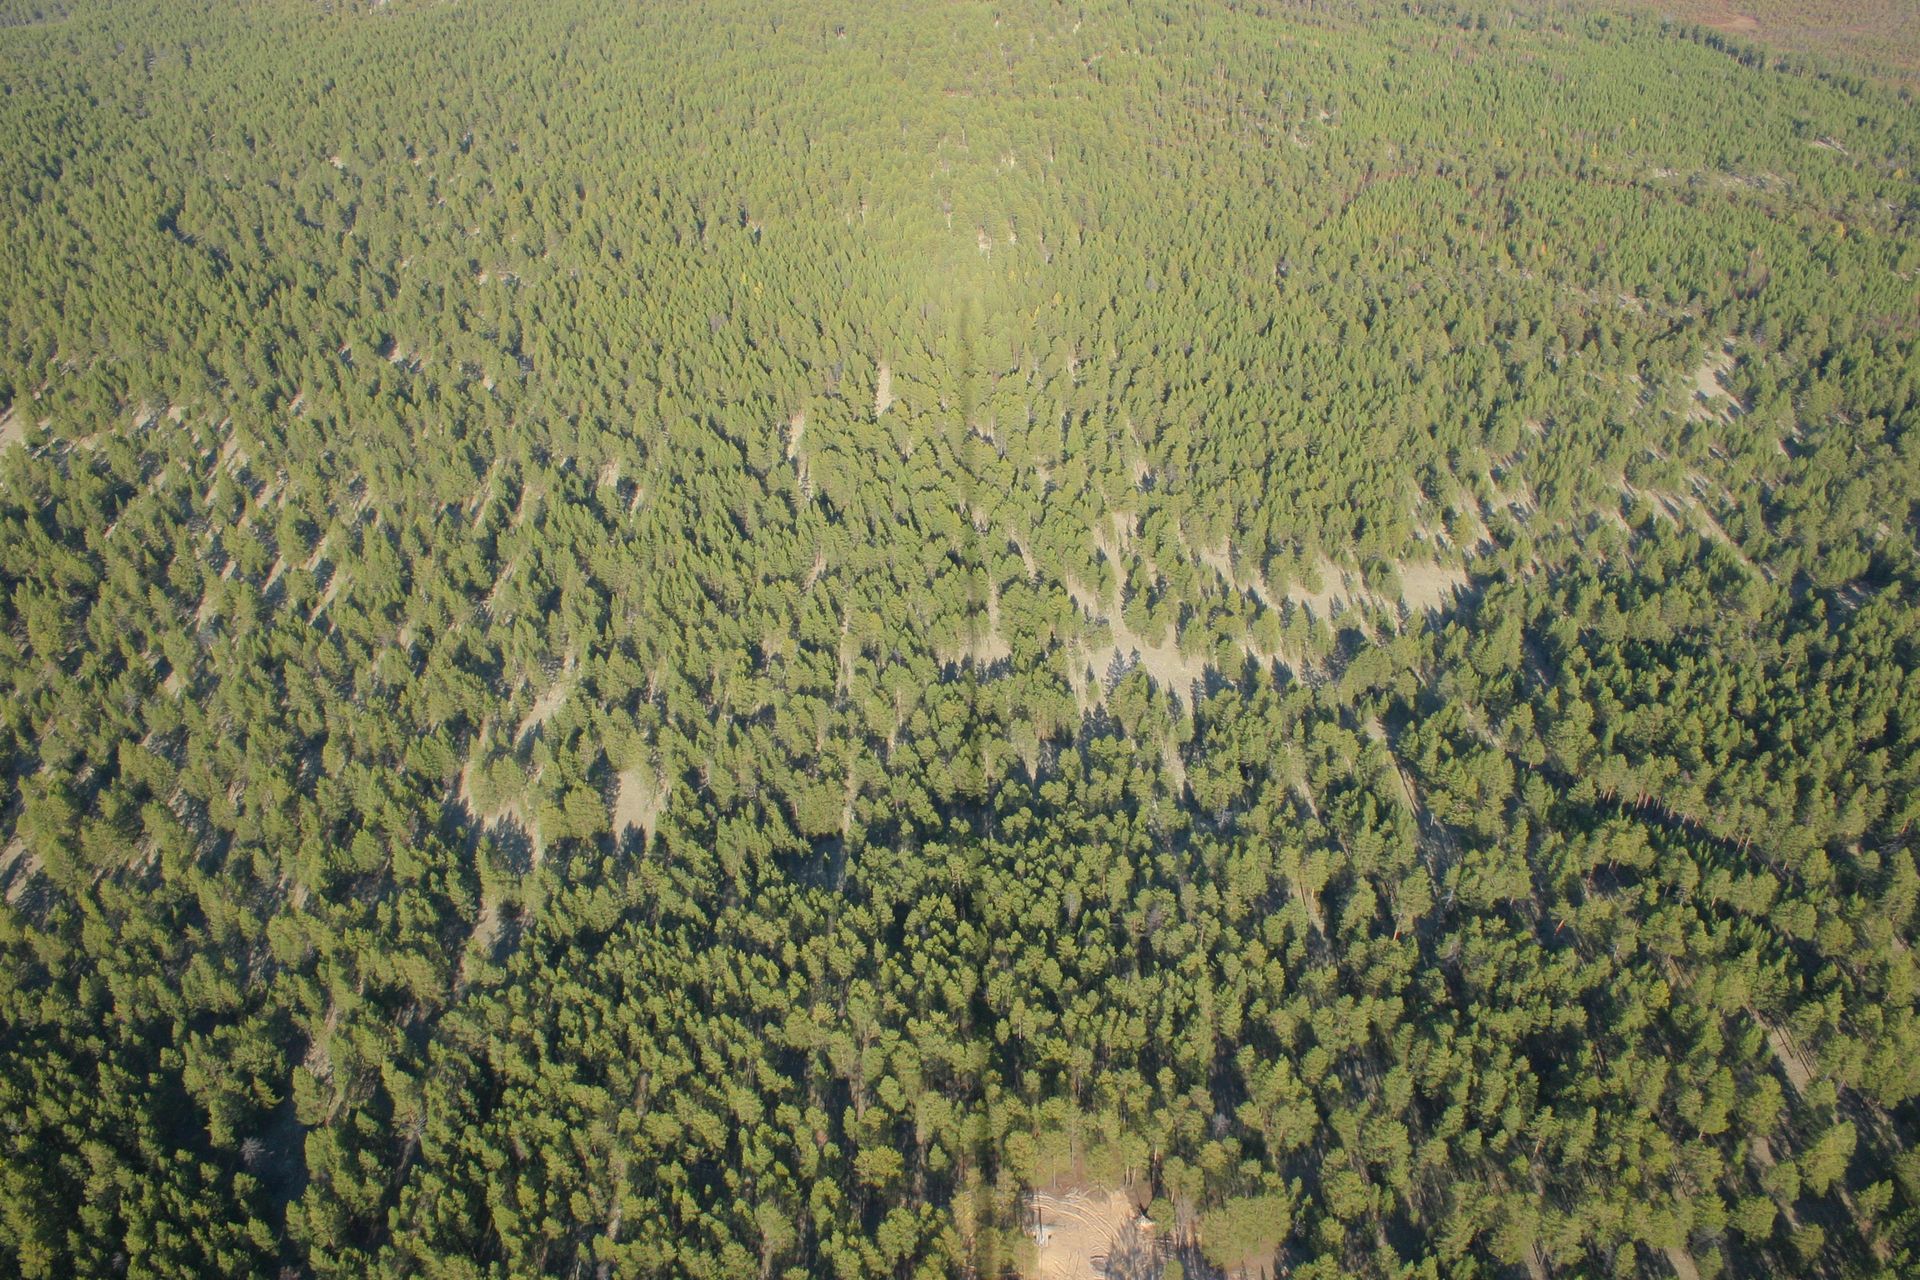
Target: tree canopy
716	639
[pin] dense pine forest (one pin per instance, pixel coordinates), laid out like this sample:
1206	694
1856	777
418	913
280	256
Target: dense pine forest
732	639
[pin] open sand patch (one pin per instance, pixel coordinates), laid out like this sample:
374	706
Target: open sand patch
986	645
638	798
1430	587
548	702
1085	1235
1711	399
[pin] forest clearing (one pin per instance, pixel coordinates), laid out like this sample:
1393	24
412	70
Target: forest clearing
1090	1234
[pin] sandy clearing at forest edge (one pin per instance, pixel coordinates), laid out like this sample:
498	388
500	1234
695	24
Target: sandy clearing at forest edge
1430	587
15	861
989	646
1084	1235
1711	398
547	703
638	799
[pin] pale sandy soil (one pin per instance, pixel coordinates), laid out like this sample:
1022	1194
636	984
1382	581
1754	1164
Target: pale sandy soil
493	592
1334	589
1378	732
1711	399
796	432
1430	587
1799	1074
1026	556
484	494
1086	1235
546	704
328	593
637	802
486	932
16	862
843	682
318	553
1763	1158
882	391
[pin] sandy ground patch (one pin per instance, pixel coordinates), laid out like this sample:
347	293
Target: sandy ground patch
1711	399
637	802
1430	587
989	645
513	813
883	390
486	935
17	867
1334	590
493	592
1378	732
328	594
1019	544
545	705
1682	1263
1799	1074
1083	1235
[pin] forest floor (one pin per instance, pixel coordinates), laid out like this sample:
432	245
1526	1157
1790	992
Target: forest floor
486	935
1430	587
16	855
637	803
990	645
1085	1234
1711	397
548	702
513	813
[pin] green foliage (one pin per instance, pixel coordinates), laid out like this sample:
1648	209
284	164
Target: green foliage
714	640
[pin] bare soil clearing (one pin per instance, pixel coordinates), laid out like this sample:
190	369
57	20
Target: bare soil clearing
1430	587
17	868
1880	31
546	704
1083	1235
637	802
486	935
1799	1074
1711	399
1334	590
